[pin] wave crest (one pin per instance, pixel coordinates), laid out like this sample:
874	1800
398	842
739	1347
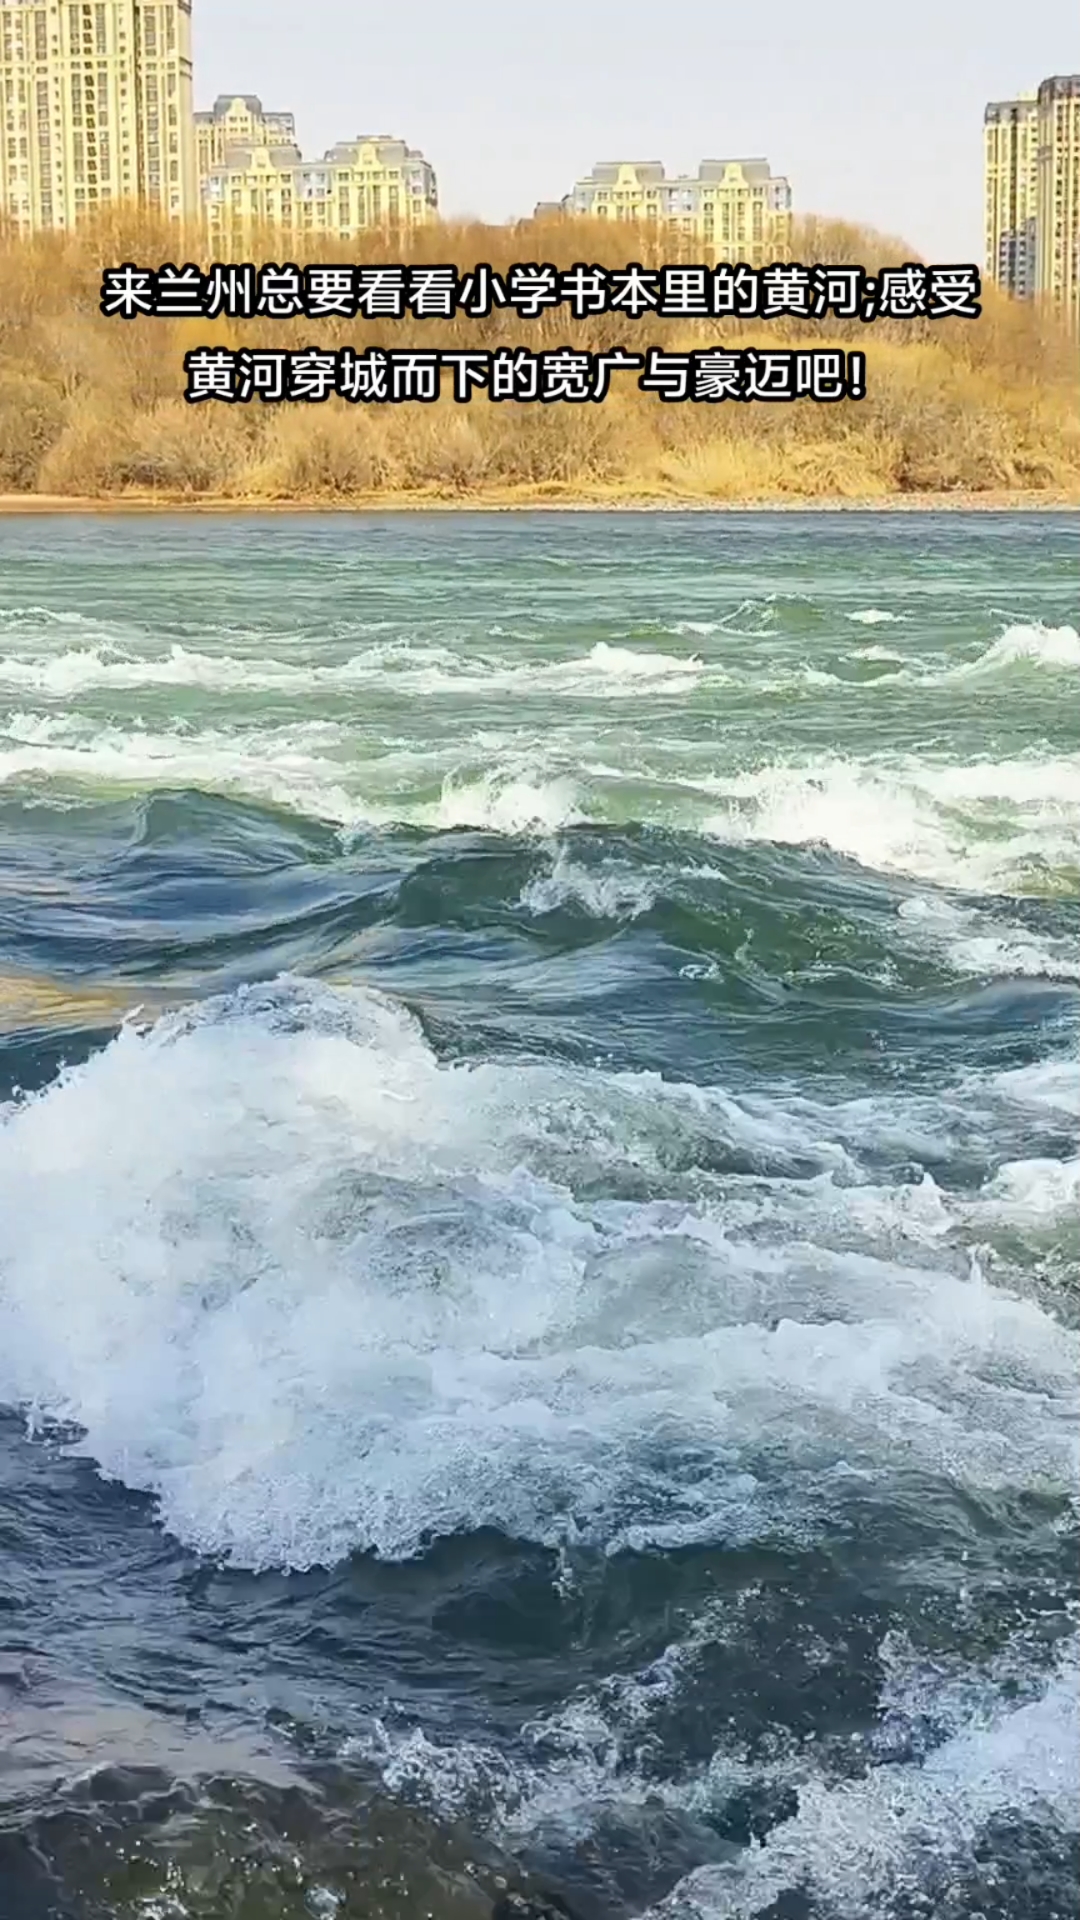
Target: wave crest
316	1292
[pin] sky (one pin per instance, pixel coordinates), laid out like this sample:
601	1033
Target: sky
873	110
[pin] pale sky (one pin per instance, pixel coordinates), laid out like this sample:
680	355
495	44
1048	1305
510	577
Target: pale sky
873	109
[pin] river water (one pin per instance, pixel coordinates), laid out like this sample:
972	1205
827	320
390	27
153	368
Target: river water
539	1216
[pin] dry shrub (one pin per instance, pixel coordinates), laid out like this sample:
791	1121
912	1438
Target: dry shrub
541	445
32	417
85	458
320	453
846	467
437	448
717	468
176	448
92	406
949	429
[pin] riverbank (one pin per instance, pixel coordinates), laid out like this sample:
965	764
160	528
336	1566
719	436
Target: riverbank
549	500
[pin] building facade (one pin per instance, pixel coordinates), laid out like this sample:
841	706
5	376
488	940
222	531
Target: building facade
1058	220
372	182
731	209
1031	161
95	109
1010	192
238	120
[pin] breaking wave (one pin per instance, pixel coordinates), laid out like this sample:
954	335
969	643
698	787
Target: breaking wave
606	670
1004	826
906	1832
332	1295
990	825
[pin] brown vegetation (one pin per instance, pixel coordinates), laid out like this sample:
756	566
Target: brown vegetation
92	407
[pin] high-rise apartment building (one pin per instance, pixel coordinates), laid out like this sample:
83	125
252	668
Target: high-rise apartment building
732	209
373	181
1058	222
1031	153
238	120
1010	192
95	109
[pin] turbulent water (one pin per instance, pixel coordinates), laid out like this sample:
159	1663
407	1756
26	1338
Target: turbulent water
539	1217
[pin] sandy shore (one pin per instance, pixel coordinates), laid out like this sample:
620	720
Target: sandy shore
548	501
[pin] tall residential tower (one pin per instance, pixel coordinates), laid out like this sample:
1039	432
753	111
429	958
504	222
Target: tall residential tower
1031	152
95	109
1010	175
1058	267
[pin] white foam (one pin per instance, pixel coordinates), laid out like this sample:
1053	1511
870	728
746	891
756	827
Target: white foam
33	618
1054	1084
291	766
988	1741
610	892
981	826
614	670
1056	649
41	729
1035	645
569	1767
878	652
316	1292
1034	1192
985	826
635	663
977	943
308	767
506	802
874	617
857	1844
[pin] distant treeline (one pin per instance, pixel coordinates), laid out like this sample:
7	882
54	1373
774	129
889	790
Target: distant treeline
91	406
